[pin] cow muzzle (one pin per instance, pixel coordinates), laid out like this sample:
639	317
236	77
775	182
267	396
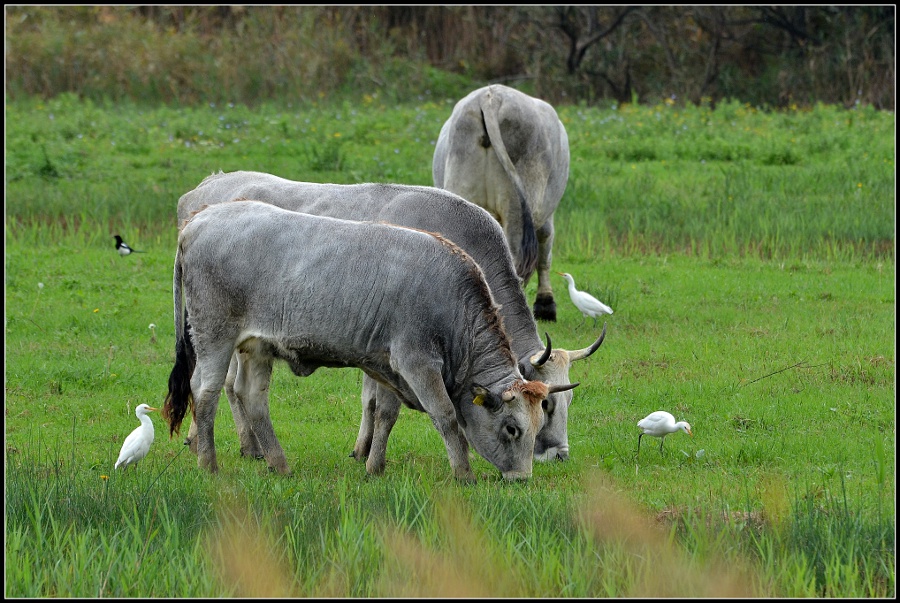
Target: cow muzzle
516	476
556	453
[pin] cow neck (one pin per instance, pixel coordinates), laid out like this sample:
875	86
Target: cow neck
492	358
517	318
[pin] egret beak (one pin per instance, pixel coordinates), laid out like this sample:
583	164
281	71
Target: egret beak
151	408
690	433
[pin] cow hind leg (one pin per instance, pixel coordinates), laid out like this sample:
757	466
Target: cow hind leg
544	304
367	422
191	439
206	383
545	307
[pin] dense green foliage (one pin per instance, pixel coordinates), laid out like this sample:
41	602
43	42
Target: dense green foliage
769	56
749	257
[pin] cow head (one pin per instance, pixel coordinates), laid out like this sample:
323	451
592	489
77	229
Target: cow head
502	425
552	367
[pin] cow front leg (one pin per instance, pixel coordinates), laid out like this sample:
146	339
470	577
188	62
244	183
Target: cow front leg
255	377
456	444
387	409
428	387
367	422
544	304
236	389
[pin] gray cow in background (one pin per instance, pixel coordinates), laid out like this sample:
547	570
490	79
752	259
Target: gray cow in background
408	307
426	208
508	152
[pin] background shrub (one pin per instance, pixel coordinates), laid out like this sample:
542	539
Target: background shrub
767	56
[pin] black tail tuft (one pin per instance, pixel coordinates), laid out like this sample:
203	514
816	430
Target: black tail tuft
180	397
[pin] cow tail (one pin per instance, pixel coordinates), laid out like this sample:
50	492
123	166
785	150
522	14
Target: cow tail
528	255
180	397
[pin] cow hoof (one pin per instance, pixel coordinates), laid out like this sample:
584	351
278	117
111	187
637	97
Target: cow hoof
375	468
464	475
545	307
359	456
254	454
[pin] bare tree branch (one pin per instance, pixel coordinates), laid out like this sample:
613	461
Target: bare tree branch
776	17
567	22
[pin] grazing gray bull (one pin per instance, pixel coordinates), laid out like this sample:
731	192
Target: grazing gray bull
426	208
509	153
408	307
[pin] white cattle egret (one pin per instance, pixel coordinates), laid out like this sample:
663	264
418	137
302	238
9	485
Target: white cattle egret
137	444
587	303
659	424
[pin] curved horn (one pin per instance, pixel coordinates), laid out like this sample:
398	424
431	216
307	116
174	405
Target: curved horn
545	355
555	389
584	353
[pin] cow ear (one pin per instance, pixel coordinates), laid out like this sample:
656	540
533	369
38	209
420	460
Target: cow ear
481	394
527	369
483	397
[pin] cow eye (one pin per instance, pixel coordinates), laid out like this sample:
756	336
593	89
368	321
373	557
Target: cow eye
548	405
512	431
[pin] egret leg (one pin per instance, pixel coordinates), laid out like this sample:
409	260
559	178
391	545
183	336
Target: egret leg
639	444
661	441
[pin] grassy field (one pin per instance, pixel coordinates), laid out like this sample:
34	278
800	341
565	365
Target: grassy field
750	260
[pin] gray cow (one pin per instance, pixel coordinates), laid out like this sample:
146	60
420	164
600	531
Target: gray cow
426	208
408	307
509	153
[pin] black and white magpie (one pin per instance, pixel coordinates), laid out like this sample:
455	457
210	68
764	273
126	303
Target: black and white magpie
123	248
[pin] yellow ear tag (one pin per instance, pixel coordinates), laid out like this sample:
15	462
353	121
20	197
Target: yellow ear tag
479	400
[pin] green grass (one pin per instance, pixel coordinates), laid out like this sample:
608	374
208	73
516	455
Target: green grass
767	321
832	198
